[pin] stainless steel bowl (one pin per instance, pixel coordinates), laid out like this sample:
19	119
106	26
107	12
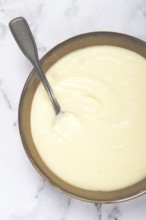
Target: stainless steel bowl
78	42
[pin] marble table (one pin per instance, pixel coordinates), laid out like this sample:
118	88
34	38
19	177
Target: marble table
24	195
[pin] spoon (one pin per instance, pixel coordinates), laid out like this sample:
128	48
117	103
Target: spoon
24	38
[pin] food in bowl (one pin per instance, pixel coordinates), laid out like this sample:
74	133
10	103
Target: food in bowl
98	141
54	56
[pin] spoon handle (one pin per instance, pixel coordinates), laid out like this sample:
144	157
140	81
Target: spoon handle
24	38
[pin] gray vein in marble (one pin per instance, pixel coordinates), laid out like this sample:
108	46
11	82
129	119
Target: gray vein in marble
34	211
140	7
5	96
3	30
115	213
72	10
42	50
33	21
41	188
66	209
15	123
139	10
99	213
3	21
38	209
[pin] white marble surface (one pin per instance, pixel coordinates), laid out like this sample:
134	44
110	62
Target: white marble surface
24	195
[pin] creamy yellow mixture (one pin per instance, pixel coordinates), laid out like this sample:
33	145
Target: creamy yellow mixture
99	141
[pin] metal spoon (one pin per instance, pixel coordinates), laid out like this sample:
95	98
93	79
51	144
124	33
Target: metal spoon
24	38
